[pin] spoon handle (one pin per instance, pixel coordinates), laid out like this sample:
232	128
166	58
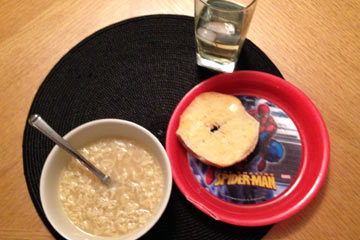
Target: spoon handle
37	122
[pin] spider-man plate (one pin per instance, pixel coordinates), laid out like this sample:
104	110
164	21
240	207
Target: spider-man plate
284	172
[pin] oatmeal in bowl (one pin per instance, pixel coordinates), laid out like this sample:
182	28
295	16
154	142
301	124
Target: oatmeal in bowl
79	206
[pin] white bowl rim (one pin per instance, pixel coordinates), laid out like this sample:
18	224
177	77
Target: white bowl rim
167	177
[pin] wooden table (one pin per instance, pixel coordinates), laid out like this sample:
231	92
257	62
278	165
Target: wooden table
315	44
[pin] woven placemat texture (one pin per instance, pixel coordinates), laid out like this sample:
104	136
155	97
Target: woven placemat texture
137	70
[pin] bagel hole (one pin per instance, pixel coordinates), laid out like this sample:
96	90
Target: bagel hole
214	128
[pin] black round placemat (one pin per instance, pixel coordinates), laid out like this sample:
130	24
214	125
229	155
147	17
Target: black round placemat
137	70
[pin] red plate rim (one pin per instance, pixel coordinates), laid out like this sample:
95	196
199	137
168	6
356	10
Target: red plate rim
314	160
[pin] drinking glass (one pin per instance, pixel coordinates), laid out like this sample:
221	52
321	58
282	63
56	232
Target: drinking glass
220	31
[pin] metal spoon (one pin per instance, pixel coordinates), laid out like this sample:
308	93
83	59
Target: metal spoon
37	122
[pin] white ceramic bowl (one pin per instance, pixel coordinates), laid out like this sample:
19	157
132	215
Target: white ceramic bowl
78	137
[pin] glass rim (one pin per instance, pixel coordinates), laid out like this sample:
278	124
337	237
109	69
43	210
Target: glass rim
245	8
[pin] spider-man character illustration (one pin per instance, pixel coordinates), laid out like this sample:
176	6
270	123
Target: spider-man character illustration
267	150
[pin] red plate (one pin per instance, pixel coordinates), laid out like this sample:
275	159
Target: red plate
314	160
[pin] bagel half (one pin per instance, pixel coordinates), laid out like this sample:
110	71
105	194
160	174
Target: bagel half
217	129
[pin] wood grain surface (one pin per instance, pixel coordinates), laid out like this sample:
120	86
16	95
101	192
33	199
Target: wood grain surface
314	43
